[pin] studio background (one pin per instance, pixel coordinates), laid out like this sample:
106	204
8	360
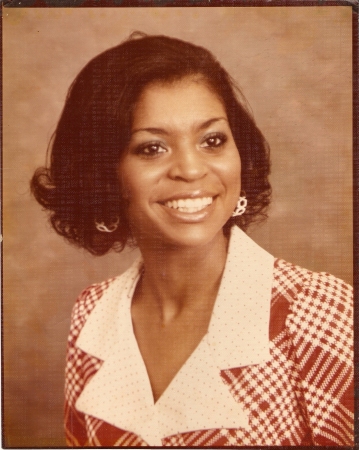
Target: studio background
294	66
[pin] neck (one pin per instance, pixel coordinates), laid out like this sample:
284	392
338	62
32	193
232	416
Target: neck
181	279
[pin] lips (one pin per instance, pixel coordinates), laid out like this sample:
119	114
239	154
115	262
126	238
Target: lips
189	205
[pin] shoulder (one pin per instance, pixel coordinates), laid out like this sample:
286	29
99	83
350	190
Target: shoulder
92	295
291	280
300	286
84	305
314	307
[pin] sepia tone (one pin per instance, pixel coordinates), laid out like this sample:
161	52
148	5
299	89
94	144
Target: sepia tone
294	67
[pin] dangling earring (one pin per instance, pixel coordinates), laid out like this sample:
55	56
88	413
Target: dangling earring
241	207
100	226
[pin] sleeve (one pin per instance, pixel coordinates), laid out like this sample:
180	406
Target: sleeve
80	367
321	326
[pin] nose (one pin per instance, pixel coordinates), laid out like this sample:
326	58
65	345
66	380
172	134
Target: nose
188	164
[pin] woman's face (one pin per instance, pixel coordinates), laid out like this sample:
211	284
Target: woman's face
181	171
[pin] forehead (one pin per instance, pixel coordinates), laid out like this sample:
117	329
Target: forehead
181	101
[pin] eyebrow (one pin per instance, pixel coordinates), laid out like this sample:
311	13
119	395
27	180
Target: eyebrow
200	127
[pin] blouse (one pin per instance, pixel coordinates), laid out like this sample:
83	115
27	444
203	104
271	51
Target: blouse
275	367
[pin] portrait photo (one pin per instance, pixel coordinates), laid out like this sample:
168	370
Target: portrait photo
178	226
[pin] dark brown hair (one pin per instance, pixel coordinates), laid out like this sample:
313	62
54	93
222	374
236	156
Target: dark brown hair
81	185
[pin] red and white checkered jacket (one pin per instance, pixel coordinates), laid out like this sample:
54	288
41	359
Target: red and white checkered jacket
302	395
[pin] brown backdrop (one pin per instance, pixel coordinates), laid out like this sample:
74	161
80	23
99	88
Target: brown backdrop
294	65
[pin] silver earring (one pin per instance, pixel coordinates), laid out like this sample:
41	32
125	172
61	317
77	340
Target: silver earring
100	226
241	207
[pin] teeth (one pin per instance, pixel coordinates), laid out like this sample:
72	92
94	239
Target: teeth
189	205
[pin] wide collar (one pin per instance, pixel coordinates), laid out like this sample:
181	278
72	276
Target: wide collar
120	392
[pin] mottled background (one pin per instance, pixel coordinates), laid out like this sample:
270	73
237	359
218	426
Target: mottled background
294	65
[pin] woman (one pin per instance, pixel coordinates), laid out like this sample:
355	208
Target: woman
207	340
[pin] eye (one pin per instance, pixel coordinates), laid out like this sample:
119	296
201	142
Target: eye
214	140
150	149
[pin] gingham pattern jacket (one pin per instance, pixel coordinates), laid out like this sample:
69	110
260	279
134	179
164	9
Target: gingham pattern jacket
302	396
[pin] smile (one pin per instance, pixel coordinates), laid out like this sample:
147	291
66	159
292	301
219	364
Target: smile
189	205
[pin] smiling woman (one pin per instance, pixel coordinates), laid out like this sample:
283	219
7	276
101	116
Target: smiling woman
207	340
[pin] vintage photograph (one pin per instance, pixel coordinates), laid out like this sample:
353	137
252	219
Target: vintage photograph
178	239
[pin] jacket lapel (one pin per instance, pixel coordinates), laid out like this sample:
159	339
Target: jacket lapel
239	328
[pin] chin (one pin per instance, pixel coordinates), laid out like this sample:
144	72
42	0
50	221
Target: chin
190	236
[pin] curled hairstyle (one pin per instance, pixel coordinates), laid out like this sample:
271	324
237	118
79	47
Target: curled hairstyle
81	184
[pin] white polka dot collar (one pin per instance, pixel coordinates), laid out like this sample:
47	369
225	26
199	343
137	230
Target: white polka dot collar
120	392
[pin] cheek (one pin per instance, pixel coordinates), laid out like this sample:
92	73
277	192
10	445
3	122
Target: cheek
127	178
234	167
231	172
137	182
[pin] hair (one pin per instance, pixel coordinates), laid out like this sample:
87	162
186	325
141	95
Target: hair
81	184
